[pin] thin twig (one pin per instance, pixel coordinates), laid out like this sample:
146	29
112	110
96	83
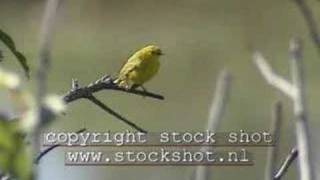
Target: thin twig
112	112
104	83
220	100
273	151
286	164
310	21
50	148
271	77
302	129
216	112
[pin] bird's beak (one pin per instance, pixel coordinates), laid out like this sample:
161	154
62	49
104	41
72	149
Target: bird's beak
161	54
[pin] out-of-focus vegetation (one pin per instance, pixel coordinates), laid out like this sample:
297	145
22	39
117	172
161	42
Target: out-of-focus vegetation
7	40
198	37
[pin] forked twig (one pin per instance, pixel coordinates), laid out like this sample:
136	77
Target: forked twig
272	78
104	83
295	90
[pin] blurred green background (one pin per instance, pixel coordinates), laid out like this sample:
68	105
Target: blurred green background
199	38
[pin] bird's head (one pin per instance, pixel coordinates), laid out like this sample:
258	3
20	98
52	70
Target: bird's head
153	50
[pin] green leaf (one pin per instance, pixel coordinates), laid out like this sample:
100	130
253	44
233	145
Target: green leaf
7	40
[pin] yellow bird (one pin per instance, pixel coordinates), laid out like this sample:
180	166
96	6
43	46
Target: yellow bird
142	66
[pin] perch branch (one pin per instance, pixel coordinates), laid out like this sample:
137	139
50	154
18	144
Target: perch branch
273	151
216	112
50	148
271	77
286	164
104	83
310	21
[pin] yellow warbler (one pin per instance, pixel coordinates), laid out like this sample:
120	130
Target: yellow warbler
140	67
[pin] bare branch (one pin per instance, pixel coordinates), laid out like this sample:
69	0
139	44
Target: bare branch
46	33
104	83
296	92
302	129
47	150
109	110
286	164
273	151
310	21
272	78
216	112
218	105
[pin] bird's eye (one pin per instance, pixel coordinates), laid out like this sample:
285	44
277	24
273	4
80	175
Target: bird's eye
157	52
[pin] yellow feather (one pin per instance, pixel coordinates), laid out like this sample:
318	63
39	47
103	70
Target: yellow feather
140	67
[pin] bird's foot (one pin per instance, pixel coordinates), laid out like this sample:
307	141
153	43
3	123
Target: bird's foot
135	86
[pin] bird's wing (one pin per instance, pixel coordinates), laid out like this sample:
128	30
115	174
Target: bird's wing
130	65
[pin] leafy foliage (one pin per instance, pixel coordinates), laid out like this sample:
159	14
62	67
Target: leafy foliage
7	40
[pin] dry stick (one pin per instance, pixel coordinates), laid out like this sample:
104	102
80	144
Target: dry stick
50	148
104	83
310	20
296	93
286	164
302	129
273	151
216	112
